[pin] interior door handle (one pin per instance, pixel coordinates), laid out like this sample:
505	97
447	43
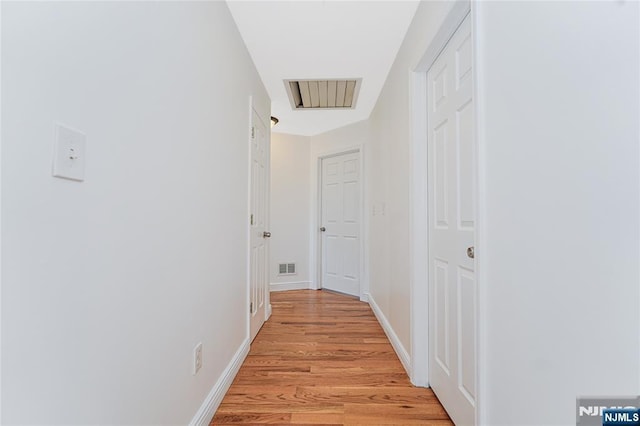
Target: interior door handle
471	252
323	229
266	234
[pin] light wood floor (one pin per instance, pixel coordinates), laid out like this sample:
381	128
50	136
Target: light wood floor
322	358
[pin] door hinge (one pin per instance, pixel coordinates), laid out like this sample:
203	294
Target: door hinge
253	132
251	218
251	307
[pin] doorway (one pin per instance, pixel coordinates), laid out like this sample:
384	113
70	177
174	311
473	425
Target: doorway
340	222
258	225
451	235
446	203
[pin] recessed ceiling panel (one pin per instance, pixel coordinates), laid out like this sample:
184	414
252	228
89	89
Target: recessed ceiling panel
323	94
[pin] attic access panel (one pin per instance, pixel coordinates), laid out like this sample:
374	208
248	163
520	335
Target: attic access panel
323	94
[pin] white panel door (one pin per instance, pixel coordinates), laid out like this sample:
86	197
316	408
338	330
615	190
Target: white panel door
258	274
340	223
452	281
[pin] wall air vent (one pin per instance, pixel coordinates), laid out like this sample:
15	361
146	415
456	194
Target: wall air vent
323	94
286	269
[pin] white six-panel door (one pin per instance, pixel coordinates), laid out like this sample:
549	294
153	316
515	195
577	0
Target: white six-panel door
452	281
258	274
340	219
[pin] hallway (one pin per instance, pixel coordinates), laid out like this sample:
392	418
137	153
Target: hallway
322	358
148	211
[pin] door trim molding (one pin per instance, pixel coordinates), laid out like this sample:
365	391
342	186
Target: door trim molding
419	224
316	209
480	205
454	18
418	234
248	224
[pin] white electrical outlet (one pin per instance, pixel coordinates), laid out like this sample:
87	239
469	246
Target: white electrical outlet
69	153
197	358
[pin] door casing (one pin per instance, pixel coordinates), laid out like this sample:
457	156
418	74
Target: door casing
316	240
324	222
419	310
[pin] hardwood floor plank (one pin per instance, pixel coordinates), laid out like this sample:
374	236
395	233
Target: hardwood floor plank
385	414
323	359
279	407
366	395
252	418
336	379
317	418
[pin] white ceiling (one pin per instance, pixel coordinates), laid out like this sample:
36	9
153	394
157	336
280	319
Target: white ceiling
309	39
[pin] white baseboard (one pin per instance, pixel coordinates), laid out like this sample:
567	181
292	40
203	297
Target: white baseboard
211	403
402	353
297	285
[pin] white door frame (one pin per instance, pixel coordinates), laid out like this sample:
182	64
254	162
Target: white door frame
267	296
419	224
316	208
0	249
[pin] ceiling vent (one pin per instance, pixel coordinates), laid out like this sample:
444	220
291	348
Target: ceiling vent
323	94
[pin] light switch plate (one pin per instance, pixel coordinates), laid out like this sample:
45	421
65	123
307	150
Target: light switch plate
69	153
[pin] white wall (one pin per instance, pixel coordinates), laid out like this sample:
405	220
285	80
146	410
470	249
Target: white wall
389	177
290	210
351	137
108	284
559	140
